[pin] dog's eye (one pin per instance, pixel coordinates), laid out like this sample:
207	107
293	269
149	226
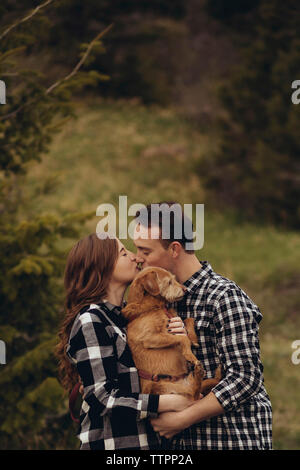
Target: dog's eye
170	282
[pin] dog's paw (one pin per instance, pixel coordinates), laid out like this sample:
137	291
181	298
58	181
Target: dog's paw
190	366
196	367
199	369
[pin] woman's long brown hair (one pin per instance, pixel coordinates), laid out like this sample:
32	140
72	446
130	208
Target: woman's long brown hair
89	267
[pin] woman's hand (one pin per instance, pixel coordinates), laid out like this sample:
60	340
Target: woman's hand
169	424
176	326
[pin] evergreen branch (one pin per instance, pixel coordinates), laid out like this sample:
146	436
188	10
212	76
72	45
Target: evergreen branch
59	82
26	18
82	60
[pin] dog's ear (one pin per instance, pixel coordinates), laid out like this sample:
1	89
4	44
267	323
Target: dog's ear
136	291
150	283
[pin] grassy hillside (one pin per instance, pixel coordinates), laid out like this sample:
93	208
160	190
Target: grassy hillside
121	148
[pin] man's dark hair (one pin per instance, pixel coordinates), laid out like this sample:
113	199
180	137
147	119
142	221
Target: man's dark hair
177	221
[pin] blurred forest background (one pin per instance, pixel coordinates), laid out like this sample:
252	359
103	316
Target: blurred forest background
178	99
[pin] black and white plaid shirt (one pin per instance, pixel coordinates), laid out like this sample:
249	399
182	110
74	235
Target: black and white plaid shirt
226	323
113	410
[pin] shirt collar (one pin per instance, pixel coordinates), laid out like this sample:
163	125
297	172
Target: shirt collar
199	276
115	313
112	306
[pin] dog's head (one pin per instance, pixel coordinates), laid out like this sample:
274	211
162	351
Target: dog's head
155	282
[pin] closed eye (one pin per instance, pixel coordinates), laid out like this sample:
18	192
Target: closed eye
124	254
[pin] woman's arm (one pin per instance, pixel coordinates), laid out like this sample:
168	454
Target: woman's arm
93	350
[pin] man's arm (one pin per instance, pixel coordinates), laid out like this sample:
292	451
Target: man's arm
236	319
169	424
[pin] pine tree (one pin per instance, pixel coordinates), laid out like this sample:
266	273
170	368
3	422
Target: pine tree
257	167
33	411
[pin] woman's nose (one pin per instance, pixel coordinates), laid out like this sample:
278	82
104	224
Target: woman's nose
137	259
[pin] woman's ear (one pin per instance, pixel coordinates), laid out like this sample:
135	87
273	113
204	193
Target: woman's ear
150	283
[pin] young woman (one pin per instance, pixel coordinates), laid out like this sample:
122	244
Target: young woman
93	348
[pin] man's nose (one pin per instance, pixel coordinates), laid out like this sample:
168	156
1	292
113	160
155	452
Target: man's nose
136	258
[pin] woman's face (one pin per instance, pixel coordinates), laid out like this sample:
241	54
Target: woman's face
126	267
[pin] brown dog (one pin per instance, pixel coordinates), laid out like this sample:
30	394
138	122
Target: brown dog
164	360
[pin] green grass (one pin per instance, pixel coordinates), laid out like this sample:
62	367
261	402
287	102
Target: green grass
115	149
147	153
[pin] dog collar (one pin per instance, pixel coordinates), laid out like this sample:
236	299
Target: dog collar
156	377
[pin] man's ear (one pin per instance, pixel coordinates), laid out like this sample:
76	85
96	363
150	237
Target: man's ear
174	249
150	283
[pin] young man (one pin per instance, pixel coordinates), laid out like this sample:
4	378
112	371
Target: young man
237	413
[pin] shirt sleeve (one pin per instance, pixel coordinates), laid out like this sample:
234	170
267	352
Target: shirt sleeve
96	362
236	322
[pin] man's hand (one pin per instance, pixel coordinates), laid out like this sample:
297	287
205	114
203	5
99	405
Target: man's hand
169	424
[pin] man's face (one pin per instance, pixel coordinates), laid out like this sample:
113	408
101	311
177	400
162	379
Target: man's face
150	251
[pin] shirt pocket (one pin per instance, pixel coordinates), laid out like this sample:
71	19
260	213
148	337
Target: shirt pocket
206	351
202	321
202	328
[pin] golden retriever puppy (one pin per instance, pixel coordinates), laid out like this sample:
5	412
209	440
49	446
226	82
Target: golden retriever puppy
165	361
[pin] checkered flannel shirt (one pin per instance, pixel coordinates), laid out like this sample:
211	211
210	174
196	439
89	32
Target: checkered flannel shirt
226	323
113	410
